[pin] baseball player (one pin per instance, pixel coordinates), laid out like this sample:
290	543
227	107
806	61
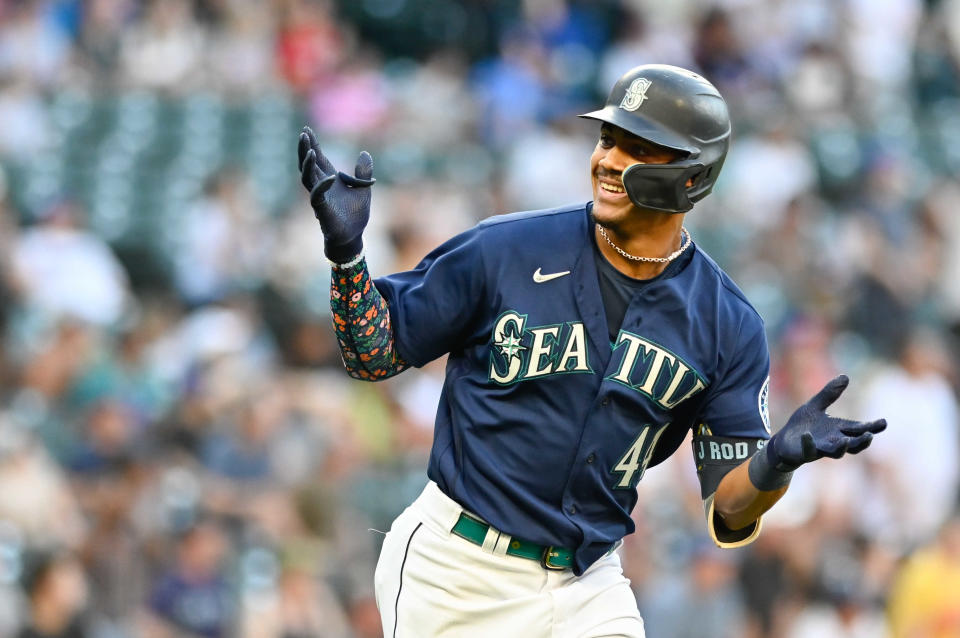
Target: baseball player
584	343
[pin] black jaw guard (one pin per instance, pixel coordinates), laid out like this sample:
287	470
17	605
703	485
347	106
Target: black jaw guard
663	187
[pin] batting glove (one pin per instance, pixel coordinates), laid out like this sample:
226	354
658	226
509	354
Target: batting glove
340	202
810	434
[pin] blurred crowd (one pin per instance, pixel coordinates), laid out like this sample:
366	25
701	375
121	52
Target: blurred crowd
181	453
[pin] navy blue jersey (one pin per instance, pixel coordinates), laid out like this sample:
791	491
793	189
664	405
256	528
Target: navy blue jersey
545	426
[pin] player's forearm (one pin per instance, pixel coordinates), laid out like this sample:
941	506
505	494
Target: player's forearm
738	502
361	319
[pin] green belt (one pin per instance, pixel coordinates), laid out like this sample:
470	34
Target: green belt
549	557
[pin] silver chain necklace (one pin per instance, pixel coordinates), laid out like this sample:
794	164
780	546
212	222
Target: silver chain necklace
658	260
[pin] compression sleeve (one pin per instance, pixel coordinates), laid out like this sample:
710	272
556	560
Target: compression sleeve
361	319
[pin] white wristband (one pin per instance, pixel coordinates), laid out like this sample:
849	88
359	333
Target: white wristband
350	264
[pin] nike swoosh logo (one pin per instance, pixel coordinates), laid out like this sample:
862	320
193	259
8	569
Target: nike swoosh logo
540	278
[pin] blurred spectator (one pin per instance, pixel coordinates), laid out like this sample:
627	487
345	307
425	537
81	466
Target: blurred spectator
915	467
310	44
766	583
222	247
165	49
722	57
879	305
35	495
57	594
240	51
302	607
33	46
535	185
764	173
638	41
100	39
192	597
511	88
61	269
841	617
842	604
941	201
24	124
570	33
214	348
818	84
433	105
54	356
801	365
240	449
352	100
108	439
706	585
923	600
114	555
879	43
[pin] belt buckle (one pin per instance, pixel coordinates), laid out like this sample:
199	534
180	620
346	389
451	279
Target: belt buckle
545	558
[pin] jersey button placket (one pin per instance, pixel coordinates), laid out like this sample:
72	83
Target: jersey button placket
571	510
591	458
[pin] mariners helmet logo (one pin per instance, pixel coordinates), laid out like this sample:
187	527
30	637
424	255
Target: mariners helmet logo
636	94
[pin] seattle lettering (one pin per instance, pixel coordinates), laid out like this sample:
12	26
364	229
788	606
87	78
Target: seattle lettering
552	349
655	372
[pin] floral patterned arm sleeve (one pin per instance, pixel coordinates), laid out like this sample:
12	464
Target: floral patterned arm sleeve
361	319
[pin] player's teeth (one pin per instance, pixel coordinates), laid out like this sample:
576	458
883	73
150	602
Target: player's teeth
611	188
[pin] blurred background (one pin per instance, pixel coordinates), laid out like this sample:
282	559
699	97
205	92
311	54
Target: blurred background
181	453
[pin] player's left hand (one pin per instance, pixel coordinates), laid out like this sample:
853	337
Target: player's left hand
341	202
810	433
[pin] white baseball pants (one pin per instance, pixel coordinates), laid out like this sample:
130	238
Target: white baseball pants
432	583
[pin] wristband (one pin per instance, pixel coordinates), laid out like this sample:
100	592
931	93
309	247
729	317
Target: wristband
764	474
347	265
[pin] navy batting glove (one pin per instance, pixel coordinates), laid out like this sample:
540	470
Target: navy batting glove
810	434
340	202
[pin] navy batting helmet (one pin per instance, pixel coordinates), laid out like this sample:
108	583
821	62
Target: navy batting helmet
677	109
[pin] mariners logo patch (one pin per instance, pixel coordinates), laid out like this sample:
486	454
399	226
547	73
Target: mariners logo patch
636	94
763	403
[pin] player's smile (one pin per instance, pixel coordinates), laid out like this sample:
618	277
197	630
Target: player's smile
609	191
612	188
611	185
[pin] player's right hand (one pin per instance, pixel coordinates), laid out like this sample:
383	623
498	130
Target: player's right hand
810	433
340	202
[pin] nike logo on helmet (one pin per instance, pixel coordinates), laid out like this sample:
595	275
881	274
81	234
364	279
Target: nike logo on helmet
541	278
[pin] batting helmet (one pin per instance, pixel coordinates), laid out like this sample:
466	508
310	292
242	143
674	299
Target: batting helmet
677	109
